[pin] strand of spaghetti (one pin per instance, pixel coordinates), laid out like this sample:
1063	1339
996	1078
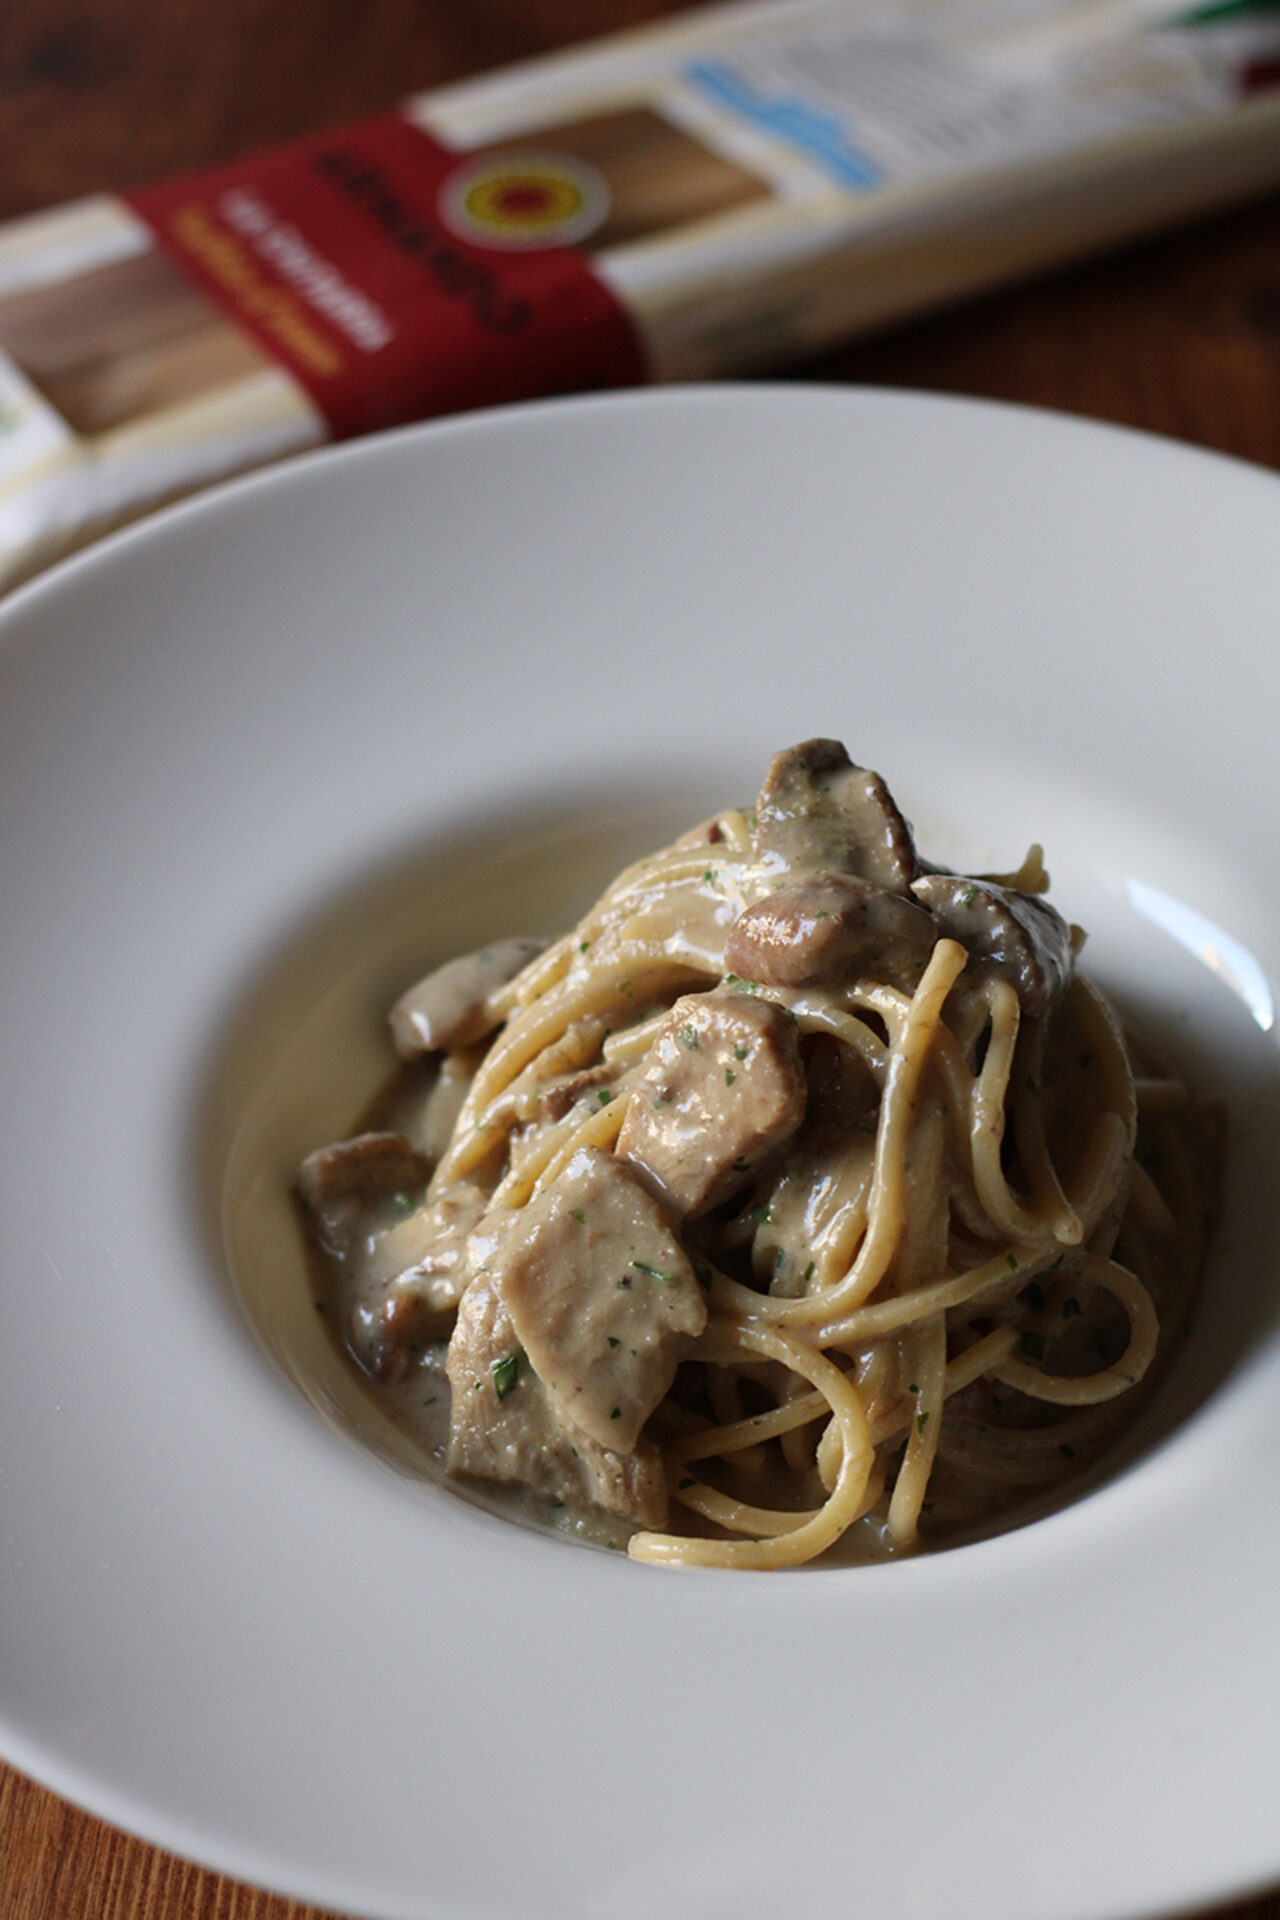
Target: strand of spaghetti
1030	876
521	1100
893	1421
832	1519
598	1129
839	1221
1033	1149
1102	1168
630	1044
586	991
987	1124
1112	1059
735	830
736	1516
653	878
800	1412
955	1080
926	1355
675	862
955	1083
532	981
1102	1171
906	1065
1147	1200
982	1357
724	1392
813	1017
1010	1266
892	1005
1089	1390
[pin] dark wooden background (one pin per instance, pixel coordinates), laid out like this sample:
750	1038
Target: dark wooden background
1180	335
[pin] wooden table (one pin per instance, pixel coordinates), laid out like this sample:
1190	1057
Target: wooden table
1180	335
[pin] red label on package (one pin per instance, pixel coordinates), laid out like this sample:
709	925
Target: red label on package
396	279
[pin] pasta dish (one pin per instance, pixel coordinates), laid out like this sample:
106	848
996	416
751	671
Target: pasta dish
803	1200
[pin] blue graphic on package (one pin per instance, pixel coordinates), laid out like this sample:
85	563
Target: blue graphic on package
818	134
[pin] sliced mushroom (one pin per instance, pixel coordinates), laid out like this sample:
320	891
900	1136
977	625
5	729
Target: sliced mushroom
503	1425
426	1251
1015	935
449	1008
600	1292
723	1089
817	810
340	1184
825	928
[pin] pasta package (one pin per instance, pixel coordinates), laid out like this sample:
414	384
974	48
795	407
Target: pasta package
708	197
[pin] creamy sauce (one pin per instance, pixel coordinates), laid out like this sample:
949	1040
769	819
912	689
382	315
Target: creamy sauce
310	1062
306	1054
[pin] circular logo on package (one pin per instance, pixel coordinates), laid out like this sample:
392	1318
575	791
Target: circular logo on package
524	200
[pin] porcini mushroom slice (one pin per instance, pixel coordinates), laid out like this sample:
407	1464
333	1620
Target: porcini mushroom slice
503	1425
817	810
340	1184
1015	935
601	1294
449	1008
723	1089
829	927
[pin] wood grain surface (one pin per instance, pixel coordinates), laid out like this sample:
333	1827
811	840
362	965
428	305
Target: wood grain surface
1180	335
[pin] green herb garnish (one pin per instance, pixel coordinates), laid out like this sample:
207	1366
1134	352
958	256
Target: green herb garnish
505	1373
654	1273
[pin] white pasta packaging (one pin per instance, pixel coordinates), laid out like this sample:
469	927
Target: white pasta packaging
715	195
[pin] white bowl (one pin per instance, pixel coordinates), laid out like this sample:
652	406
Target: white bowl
359	695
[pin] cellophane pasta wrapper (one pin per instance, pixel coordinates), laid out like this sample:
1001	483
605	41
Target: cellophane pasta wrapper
708	197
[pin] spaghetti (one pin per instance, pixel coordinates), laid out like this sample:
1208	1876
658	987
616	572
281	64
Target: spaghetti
915	1227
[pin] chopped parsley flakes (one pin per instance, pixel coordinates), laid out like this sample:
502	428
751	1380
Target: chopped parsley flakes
654	1273
505	1374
